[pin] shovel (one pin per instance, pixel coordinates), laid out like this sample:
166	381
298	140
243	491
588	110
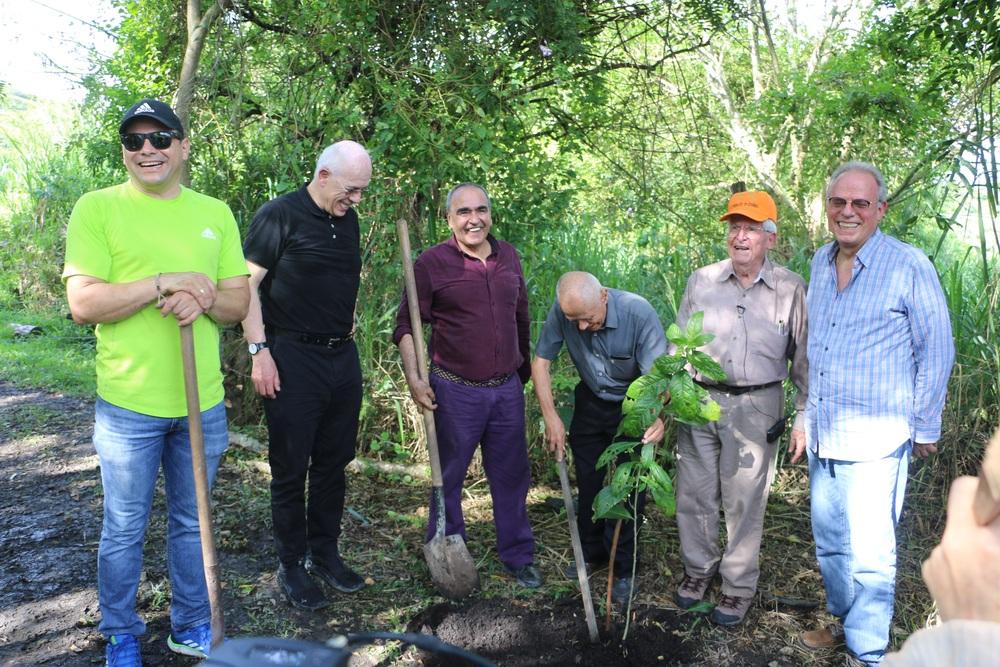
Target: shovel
581	565
452	569
201	486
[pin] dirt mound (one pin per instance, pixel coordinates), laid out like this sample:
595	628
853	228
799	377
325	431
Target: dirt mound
516	633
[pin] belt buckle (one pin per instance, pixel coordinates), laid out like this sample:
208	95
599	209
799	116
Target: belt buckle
332	342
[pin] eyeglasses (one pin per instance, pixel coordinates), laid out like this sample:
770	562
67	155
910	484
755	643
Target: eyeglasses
352	190
837	203
749	230
161	140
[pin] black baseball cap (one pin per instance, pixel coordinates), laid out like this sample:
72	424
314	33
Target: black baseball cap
155	109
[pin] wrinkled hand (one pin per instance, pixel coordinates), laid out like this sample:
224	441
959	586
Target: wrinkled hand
654	433
555	437
962	572
423	395
922	450
797	444
183	306
265	374
198	285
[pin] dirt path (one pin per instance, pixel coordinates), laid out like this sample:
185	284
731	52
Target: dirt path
50	513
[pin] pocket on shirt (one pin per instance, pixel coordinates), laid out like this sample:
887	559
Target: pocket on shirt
766	341
623	368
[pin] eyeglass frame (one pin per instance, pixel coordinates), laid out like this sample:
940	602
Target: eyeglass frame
839	203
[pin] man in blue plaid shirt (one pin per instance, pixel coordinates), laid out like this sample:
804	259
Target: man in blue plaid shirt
880	352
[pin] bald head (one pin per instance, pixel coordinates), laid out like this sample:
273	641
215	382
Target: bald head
582	300
344	156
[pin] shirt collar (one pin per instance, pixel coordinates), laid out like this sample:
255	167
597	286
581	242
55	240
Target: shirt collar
866	253
453	242
766	273
611	317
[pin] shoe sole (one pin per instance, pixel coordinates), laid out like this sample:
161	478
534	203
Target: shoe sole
301	605
332	582
726	622
184	649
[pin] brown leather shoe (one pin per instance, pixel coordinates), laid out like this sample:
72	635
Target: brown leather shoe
691	591
829	637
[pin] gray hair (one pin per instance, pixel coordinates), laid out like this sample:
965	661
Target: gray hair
770	226
584	286
336	155
866	167
451	194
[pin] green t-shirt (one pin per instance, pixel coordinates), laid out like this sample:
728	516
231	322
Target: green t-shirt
120	235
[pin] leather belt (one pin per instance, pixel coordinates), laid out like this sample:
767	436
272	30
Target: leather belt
331	342
458	379
734	390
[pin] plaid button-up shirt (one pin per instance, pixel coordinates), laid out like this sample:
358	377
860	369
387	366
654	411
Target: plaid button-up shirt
880	352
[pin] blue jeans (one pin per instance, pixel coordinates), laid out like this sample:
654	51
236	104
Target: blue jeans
131	448
855	509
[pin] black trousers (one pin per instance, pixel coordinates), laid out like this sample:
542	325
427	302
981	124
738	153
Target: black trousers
593	428
313	426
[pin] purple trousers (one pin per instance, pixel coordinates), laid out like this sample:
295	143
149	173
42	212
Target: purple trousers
493	417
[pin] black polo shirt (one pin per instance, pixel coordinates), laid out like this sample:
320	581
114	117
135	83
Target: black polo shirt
313	262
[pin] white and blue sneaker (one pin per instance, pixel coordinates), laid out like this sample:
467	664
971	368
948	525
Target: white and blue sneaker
122	651
195	642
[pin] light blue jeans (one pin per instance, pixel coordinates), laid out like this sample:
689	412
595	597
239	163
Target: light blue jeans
855	508
131	447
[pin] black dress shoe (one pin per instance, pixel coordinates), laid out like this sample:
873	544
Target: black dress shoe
526	575
621	587
300	589
335	573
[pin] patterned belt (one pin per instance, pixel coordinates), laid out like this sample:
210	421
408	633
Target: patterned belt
458	379
312	339
734	390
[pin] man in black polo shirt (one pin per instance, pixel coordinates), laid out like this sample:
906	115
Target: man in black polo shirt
304	257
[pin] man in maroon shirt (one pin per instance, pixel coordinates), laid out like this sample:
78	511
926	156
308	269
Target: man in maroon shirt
472	293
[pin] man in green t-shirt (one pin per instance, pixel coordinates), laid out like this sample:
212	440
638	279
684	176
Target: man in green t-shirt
143	258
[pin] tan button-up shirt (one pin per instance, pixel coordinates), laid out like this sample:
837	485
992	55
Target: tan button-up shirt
758	329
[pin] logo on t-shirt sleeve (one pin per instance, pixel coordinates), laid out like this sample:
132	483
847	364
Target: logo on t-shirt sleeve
209	234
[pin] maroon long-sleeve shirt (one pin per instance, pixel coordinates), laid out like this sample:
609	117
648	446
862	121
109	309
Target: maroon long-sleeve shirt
478	312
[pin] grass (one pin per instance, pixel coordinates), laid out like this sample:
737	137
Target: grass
60	358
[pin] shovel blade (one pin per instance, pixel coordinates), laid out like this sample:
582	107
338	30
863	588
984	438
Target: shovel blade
452	569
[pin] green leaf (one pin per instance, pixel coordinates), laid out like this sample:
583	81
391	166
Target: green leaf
611	505
675	335
648	455
694	324
664	499
613	450
707	366
666	365
621	480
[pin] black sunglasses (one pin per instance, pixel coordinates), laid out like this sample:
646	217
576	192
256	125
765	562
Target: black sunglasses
161	140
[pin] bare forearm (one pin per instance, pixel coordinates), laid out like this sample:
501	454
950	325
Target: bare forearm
408	353
94	302
231	303
541	380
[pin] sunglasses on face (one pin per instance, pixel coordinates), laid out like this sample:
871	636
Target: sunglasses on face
161	140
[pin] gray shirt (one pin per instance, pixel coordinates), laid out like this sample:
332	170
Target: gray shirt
608	360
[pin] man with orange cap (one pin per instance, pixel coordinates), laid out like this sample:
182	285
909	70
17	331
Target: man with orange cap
757	313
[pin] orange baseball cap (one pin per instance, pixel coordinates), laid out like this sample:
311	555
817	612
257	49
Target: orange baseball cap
757	206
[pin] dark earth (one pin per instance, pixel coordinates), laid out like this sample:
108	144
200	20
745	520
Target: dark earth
50	513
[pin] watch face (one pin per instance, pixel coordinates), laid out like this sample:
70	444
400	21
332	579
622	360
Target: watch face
256	347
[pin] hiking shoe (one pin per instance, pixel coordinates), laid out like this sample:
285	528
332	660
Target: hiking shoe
731	610
335	573
691	591
621	588
122	651
301	591
829	637
195	641
526	575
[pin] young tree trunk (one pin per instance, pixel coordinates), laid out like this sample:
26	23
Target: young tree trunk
198	25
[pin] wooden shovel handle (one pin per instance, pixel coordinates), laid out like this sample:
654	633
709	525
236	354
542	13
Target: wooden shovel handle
417	332
201	492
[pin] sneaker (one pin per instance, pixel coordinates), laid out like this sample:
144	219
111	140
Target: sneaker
301	591
196	641
122	651
831	636
336	574
691	591
731	610
526	575
621	588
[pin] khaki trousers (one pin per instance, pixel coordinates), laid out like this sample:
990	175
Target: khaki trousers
727	464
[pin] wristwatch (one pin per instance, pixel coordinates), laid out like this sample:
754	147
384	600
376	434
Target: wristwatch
254	348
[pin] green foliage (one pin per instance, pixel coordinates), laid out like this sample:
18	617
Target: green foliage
667	391
60	358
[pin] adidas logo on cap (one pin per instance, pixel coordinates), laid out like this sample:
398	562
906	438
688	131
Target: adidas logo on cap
143	108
